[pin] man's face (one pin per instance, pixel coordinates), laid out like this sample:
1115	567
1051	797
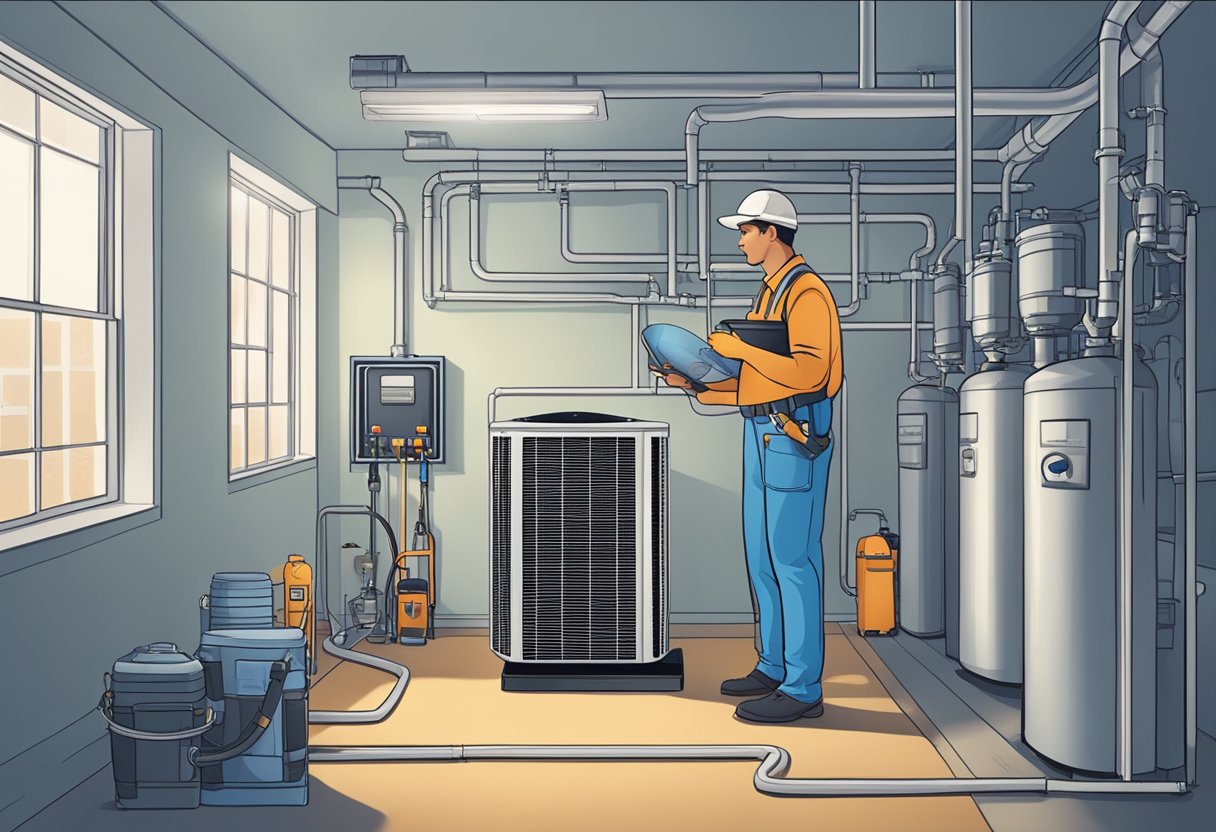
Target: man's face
753	244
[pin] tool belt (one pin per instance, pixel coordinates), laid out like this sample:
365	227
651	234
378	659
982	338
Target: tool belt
802	433
787	406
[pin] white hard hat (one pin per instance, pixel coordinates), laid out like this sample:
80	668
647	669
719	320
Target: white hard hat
770	206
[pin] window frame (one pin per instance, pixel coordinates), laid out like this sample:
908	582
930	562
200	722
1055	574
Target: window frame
106	287
129	252
301	214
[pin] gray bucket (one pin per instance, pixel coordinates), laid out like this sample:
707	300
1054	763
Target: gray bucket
239	601
155	690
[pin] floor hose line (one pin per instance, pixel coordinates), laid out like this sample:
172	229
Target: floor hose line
769	778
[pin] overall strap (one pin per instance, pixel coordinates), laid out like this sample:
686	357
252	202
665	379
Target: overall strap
783	287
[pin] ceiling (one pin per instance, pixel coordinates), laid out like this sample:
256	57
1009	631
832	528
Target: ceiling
298	54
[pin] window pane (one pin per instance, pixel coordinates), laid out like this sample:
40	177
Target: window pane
16	383
73	474
280	261
239	220
257	376
16	106
257	435
257	314
68	131
70	229
236	312
278	432
73	380
236	439
236	393
16	216
16	486
282	350
259	237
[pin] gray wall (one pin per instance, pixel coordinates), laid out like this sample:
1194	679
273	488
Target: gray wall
68	617
500	345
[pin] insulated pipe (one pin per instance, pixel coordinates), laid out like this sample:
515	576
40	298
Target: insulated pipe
768	779
865	45
401	302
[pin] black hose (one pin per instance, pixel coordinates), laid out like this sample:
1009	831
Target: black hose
256	727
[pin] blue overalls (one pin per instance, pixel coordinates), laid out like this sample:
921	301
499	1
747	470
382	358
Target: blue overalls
784	494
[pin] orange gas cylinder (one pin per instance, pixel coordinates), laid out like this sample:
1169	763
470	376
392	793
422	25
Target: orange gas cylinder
877	579
297	594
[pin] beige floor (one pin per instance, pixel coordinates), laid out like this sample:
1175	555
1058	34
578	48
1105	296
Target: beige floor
454	699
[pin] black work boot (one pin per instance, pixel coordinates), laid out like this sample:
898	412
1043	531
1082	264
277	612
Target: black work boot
777	707
753	684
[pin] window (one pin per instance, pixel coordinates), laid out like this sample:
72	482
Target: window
59	326
271	341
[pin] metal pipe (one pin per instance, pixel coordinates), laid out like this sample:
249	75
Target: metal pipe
1029	143
703	265
572	256
875	103
768	779
622	85
1044	350
401	294
854	242
1126	474
1191	486
474	194
865	45
844	487
1110	151
1152	100
963	169
790	181
558	157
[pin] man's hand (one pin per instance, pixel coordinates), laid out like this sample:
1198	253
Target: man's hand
728	345
673	379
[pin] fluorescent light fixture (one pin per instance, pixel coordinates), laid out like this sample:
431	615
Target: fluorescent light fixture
483	105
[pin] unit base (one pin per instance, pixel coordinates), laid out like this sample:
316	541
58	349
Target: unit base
667	674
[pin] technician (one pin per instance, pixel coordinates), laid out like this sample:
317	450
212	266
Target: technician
785	479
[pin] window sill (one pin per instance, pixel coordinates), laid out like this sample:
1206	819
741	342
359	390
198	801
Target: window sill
38	542
264	475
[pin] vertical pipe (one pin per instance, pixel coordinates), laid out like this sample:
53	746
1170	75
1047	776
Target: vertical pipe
1126	474
866	45
1152	99
843	396
1190	415
703	251
672	251
963	150
1110	151
854	241
635	335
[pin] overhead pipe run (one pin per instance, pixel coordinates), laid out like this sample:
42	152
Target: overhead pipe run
1031	142
401	294
552	156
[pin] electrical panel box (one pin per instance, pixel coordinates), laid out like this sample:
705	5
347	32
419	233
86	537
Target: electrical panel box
399	396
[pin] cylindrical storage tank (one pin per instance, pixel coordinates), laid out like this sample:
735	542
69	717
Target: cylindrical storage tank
947	314
1073	413
990	516
992	322
928	512
1051	256
240	601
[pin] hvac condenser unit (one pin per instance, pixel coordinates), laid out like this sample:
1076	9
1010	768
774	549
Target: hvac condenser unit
578	539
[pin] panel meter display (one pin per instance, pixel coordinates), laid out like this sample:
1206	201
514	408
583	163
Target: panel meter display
396	398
